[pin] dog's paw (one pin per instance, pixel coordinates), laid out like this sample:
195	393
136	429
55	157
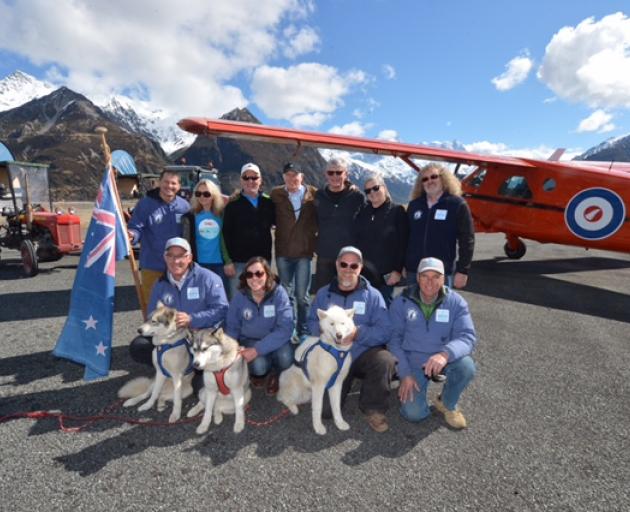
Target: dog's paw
202	429
195	410
238	427
174	417
342	425
218	418
161	406
319	429
293	409
145	406
129	402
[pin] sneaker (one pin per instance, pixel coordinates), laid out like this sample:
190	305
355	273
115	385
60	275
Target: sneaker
258	382
454	418
377	421
273	382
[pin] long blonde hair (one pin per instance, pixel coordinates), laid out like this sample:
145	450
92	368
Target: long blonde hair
450	183
217	198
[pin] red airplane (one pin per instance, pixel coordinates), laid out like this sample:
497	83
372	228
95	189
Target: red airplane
580	203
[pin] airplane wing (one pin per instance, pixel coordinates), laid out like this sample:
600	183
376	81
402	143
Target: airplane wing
406	152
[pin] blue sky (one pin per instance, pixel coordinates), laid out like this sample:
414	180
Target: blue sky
503	76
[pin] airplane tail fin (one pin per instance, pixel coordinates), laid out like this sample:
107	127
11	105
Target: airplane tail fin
555	156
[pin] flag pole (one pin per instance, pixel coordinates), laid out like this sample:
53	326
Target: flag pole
101	130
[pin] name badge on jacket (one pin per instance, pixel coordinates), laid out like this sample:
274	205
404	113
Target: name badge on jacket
269	311
440	214
359	307
442	315
178	218
192	293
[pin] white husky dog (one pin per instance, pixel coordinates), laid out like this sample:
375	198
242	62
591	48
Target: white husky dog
225	377
171	355
323	364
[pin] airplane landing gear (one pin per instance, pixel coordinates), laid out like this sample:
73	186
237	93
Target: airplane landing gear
514	248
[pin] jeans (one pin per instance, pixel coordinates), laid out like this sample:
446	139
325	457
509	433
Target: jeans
217	268
232	289
280	359
459	374
295	275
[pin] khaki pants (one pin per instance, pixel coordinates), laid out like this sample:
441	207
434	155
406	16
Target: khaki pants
149	277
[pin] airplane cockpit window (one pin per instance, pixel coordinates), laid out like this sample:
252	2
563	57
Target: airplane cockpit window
549	185
478	178
515	186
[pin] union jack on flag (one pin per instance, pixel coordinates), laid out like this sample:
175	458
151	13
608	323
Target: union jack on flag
86	337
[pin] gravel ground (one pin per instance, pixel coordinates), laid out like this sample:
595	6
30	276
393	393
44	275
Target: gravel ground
549	413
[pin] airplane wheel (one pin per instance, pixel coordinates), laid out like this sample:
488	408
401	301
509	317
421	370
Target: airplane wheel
29	258
515	254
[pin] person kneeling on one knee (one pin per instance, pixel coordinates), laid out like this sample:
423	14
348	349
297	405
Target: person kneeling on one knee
432	333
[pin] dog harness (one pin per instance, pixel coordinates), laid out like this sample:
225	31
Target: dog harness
165	347
219	378
339	356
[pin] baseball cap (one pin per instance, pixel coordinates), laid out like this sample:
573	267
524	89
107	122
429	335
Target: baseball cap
431	264
177	242
291	167
349	249
250	167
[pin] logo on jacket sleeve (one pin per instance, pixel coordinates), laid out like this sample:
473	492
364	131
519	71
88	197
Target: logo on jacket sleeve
417	214
412	315
168	299
247	314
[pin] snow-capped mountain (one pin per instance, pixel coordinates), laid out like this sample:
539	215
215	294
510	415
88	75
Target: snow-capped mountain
19	88
613	149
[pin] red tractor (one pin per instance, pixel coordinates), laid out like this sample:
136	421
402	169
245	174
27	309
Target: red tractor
29	224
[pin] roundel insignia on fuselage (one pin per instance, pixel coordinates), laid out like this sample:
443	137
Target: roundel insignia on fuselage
595	213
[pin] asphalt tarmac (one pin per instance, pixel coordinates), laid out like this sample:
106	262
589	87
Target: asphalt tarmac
549	411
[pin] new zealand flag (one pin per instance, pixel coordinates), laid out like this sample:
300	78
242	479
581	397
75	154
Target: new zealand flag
87	335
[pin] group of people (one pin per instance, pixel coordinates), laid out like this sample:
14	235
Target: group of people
211	261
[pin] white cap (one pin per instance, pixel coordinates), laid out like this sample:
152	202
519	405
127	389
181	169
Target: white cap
349	249
431	264
177	242
250	167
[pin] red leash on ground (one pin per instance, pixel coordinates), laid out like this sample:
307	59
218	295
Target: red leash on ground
106	415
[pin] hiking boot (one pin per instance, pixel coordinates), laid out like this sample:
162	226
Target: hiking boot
258	382
454	418
273	382
377	421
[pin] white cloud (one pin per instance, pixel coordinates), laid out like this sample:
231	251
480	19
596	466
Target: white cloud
389	71
180	57
516	72
390	135
305	94
539	153
300	41
590	63
354	129
598	121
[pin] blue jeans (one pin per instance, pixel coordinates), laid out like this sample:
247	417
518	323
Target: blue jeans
459	374
217	268
295	275
234	281
280	359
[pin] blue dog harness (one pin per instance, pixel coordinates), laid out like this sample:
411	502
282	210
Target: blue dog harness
162	349
339	356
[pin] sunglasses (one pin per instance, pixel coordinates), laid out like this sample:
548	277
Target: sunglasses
334	173
432	177
353	266
203	194
249	178
258	273
375	188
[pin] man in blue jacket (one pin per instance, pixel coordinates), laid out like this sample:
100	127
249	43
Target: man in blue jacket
432	333
156	218
371	361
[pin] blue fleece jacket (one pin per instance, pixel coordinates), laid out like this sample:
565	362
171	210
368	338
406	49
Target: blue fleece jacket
202	296
370	314
152	223
414	339
265	326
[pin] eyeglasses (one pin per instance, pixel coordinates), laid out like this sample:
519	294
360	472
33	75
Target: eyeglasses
375	188
176	257
203	194
432	177
258	273
334	173
249	178
353	266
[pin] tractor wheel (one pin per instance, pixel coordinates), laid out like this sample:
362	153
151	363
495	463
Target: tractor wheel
517	253
29	258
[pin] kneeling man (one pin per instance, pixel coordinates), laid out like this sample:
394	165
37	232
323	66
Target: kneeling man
432	333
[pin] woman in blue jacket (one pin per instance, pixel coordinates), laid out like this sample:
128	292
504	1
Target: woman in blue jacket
260	317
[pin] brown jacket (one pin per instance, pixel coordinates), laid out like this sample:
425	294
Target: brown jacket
295	239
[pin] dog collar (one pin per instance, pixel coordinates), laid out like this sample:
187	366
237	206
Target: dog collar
339	355
165	347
